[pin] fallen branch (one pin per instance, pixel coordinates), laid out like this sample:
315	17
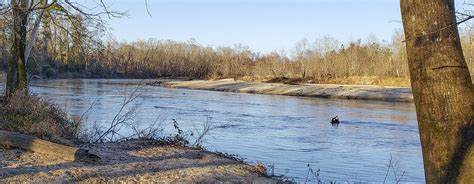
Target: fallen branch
30	143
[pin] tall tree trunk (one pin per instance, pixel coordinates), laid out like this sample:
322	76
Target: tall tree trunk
5	53
12	75
46	33
16	75
33	34
12	71
22	76
442	89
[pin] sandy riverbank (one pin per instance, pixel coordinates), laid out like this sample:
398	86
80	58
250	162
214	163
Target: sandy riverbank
362	92
129	161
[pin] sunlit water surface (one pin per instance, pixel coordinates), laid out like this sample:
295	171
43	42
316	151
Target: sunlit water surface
287	132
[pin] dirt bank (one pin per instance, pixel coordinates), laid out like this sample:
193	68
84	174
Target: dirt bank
362	92
129	161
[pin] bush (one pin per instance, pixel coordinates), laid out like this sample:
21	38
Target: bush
34	116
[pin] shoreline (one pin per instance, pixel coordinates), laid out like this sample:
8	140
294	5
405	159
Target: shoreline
130	161
53	155
333	91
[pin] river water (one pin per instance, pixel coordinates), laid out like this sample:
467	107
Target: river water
286	132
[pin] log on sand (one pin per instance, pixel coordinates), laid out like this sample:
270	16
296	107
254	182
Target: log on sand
26	142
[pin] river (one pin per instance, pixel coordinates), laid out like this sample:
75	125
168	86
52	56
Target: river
286	132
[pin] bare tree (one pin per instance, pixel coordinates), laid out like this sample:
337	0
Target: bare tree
22	12
442	89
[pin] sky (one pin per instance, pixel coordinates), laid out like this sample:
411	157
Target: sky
263	25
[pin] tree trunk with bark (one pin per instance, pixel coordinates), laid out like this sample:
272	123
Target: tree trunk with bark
22	78
26	142
16	75
442	88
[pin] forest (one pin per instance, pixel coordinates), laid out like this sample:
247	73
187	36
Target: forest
71	48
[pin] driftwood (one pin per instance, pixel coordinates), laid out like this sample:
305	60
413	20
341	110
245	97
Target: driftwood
26	142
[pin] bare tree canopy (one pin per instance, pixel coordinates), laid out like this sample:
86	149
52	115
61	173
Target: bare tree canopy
27	16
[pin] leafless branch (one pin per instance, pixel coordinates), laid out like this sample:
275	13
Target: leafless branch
395	167
388	169
69	33
96	15
152	131
466	18
147	9
207	127
91	106
120	119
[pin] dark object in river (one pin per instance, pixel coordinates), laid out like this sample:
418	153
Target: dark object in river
335	121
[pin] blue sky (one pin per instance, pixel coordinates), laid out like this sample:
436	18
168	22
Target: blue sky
263	25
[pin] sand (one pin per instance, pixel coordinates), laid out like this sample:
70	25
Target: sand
360	92
129	161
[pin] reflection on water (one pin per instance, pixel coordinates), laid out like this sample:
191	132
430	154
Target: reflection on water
289	132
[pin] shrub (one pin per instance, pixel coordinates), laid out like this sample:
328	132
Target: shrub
33	116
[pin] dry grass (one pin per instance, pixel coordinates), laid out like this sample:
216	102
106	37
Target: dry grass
372	80
3	76
351	80
393	81
260	169
34	116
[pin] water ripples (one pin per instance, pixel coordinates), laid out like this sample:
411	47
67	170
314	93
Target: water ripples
289	132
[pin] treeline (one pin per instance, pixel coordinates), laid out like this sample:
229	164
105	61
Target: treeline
75	49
